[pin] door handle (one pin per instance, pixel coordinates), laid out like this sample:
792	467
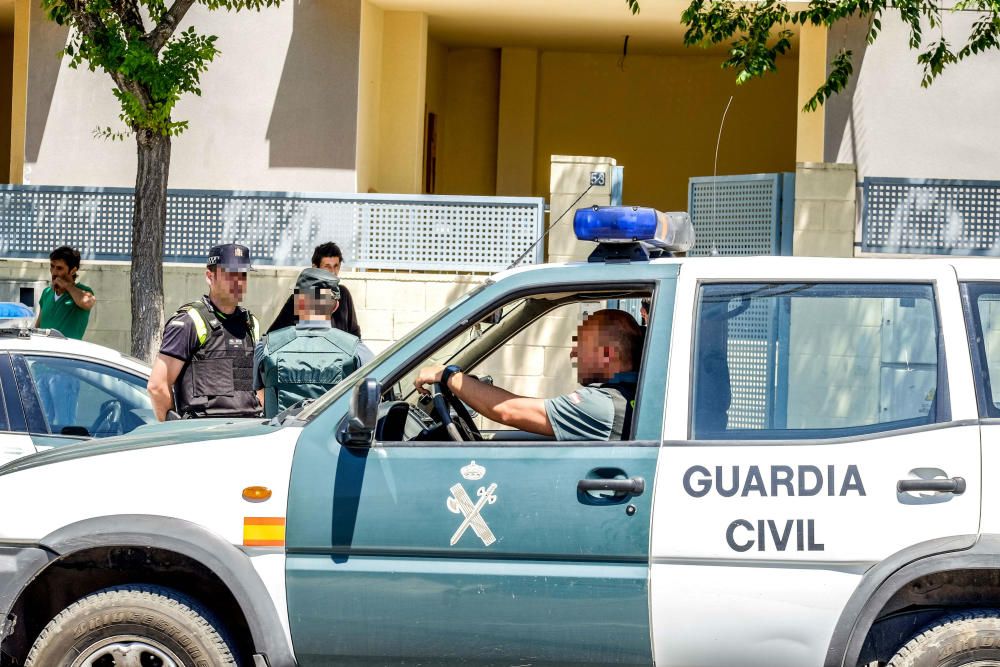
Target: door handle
634	486
954	485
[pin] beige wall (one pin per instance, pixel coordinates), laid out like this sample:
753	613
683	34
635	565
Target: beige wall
516	122
403	91
887	124
19	87
369	95
389	304
812	73
570	177
825	210
659	117
6	83
468	151
278	111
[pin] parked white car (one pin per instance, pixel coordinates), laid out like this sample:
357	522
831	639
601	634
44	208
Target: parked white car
56	391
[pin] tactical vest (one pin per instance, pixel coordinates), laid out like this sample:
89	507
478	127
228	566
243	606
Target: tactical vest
623	397
304	363
217	381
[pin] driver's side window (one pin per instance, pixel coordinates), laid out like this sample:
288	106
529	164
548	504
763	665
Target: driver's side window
524	347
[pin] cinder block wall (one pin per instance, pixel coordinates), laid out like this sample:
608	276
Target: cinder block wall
388	304
825	209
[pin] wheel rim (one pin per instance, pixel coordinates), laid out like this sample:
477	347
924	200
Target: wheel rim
128	651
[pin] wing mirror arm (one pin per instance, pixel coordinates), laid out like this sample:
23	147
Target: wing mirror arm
363	415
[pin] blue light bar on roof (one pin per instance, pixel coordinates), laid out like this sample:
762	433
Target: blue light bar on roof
614	224
630	224
9	309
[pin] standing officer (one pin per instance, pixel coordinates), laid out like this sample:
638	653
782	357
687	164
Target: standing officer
205	365
305	360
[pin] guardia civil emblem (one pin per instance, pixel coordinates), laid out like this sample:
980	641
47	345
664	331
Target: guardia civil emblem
459	502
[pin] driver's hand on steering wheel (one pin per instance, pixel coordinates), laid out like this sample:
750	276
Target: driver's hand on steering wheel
427	376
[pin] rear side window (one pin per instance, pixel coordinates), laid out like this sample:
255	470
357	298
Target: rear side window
791	361
982	313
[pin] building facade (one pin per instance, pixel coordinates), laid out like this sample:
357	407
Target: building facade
408	96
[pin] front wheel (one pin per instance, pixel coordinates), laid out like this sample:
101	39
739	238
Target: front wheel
131	626
966	639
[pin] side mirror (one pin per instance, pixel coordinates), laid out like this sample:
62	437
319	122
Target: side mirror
364	413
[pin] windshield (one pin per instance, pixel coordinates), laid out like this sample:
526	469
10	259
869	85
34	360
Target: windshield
347	383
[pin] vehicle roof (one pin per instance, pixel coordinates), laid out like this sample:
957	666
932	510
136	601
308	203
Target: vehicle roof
38	342
966	268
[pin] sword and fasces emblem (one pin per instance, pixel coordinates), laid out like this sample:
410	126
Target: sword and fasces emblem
460	503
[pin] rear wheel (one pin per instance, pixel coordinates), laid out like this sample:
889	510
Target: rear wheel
966	639
131	626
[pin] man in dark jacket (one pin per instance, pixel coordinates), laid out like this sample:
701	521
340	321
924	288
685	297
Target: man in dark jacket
326	256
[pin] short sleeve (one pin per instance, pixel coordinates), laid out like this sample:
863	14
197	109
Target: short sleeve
364	354
258	365
585	414
179	337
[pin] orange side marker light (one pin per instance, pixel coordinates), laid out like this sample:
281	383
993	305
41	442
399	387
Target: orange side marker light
256	494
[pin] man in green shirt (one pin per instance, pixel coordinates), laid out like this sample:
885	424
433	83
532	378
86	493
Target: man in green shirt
65	304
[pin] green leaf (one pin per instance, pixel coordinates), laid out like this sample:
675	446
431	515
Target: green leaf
758	33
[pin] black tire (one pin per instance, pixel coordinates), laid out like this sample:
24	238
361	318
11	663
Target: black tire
967	639
163	627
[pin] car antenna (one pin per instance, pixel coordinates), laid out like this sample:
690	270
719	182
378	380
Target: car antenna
715	175
548	229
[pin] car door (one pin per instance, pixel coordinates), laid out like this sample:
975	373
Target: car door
816	389
69	398
476	553
981	300
14	439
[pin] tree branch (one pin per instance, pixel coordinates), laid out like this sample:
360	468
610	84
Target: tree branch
160	33
128	10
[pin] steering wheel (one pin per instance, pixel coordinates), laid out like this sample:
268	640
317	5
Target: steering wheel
109	421
443	400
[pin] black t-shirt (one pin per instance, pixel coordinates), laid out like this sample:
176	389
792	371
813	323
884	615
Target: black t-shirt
345	318
180	336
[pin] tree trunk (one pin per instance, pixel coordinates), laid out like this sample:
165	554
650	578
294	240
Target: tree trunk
148	229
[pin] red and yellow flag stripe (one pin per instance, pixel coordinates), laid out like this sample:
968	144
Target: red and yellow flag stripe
263	531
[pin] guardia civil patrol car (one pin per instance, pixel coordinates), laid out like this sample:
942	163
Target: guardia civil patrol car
806	483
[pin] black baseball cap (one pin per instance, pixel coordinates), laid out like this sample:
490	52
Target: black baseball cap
312	279
231	257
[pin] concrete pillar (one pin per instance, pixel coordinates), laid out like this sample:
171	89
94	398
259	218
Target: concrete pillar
812	73
369	97
403	90
517	120
19	89
825	210
570	177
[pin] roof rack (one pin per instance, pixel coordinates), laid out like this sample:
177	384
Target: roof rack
16	332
